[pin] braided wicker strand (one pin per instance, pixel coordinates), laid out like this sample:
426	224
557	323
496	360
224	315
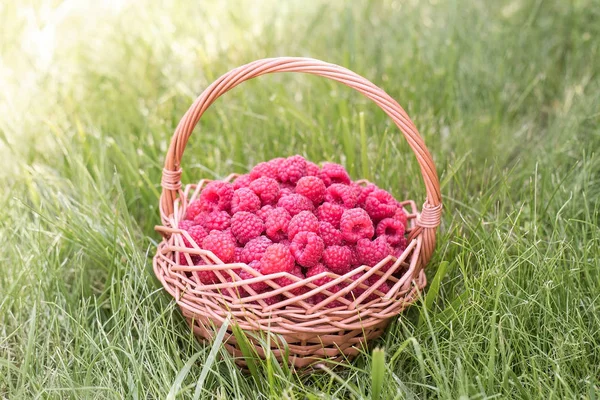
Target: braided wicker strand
311	331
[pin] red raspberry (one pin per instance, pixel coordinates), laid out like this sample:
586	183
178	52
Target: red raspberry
334	173
303	221
238	255
357	291
365	191
258	286
244	199
268	169
200	218
355	259
221	244
338	193
331	213
383	287
262	213
295	203
277	223
401	216
272	299
241	181
277	258
313	188
267	189
185	224
380	204
246	226
355	224
216	196
219	220
205	277
371	252
255	248
194	258
307	248
292	169
193	209
285	191
329	234
337	259
312	169
392	229
316	270
197	233
285	281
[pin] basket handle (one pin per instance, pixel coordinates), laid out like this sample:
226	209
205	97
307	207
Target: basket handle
430	216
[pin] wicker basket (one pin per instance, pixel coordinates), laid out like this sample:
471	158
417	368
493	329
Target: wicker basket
311	332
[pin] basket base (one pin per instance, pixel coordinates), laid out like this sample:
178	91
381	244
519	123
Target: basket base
299	351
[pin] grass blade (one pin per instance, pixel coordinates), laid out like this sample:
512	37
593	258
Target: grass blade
377	373
216	346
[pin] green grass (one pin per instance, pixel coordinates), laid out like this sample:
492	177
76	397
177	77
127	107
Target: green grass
506	95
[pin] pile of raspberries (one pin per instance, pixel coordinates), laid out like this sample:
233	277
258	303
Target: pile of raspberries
290	215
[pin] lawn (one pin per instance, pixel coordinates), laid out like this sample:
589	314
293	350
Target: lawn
505	94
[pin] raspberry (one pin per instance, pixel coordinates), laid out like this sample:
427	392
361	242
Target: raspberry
357	291
392	229
267	189
337	259
285	281
246	226
307	248
193	209
238	255
277	258
383	287
355	224
371	252
334	173
216	196
200	218
272	299
185	224
329	234
241	181
244	199
262	213
400	215
355	259
276	223
267	169
311	187
197	233
205	277
295	203
338	193
316	270
219	220
285	191
331	213
365	191
194	257
221	244
303	221
255	248
380	204
292	169
258	286
312	169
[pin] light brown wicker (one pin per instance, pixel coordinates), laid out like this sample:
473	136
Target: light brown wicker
334	327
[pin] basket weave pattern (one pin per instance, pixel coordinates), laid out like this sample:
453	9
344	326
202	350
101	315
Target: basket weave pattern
331	328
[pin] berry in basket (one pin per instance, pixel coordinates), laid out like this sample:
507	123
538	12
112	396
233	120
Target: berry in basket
284	220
